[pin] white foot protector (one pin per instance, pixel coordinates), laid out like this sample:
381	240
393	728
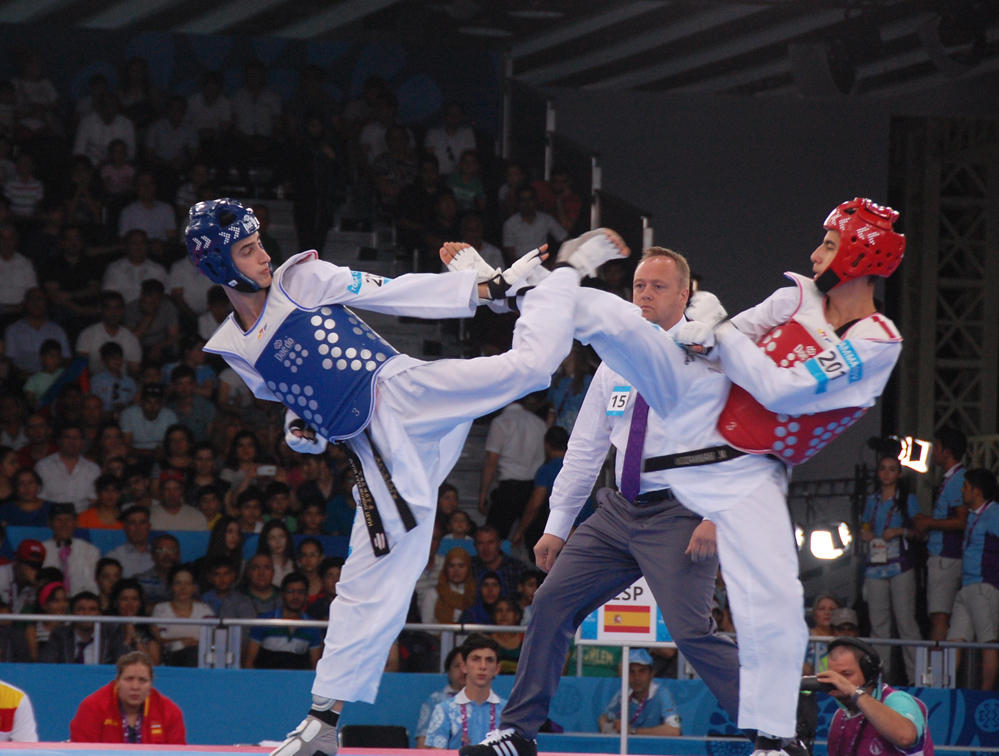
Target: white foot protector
311	737
591	250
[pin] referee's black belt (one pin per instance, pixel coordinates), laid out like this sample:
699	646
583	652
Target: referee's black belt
707	456
651	497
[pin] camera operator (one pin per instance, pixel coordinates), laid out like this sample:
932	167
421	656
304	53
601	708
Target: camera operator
873	719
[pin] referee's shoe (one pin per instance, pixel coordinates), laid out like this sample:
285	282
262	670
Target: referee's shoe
502	743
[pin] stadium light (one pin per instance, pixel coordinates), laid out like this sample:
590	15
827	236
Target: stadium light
830	543
915	453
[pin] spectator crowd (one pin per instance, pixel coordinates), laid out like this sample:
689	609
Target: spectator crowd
112	418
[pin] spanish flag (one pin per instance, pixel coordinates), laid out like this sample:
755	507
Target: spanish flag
627	618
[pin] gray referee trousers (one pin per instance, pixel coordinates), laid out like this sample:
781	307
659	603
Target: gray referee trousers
615	546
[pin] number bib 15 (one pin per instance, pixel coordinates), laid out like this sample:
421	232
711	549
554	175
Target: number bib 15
618	401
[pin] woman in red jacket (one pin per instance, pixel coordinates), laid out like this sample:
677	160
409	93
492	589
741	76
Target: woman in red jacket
128	710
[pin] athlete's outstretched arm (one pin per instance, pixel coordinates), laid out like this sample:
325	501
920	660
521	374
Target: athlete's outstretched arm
851	374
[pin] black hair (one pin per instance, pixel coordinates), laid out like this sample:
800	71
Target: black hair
294	577
557	437
475	641
83	596
982	479
953	440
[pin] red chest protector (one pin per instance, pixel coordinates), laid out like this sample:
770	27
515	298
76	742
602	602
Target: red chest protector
748	425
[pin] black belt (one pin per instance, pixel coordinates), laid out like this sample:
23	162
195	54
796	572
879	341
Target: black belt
706	456
372	519
651	497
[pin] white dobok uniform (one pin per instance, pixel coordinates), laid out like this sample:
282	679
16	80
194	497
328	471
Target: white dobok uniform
316	357
746	497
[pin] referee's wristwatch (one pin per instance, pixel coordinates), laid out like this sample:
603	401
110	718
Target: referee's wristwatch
855	696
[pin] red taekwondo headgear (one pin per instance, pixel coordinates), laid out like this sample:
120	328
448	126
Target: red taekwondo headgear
868	243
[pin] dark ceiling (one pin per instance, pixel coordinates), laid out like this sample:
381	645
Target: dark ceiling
750	47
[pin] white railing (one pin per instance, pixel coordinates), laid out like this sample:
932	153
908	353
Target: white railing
220	640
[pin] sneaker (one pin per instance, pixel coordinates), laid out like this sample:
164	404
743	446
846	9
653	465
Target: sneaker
313	737
502	743
768	747
591	250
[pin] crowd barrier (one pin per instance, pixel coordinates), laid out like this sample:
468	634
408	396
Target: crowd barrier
245	706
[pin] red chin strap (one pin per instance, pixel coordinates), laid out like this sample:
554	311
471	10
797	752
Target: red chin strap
869	246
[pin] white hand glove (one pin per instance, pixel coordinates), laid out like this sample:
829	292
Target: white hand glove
704	307
695	338
300	437
468	259
525	269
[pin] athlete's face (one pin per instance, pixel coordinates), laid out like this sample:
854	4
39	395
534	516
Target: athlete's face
660	291
250	259
824	253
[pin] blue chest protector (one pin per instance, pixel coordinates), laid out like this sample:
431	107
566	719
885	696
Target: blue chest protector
322	366
320	363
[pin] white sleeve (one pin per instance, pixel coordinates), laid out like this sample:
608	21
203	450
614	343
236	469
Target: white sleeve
24	730
588	446
852	374
768	314
422	295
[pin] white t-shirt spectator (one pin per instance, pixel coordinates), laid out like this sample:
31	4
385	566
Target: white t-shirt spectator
193	285
35	92
93	136
239	394
23	195
202	115
79	565
17	275
524	236
126	278
517	436
186	518
58	484
158	220
172	634
254	114
168	142
146	434
447	148
24	341
132	560
207	325
93	337
372	139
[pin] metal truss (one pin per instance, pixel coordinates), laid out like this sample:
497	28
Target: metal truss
946	179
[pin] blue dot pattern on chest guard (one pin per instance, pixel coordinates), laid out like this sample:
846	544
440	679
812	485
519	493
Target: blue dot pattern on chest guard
322	365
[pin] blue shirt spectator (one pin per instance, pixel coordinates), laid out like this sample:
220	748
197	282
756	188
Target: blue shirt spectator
651	709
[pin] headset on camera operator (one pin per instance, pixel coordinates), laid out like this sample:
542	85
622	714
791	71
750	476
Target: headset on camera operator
872	719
